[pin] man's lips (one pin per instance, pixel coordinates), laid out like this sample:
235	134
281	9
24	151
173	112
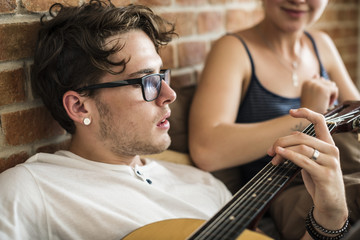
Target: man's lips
164	122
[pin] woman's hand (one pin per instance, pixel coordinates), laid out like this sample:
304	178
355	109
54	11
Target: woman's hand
318	94
322	176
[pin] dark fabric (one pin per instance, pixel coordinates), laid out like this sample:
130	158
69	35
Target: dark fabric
179	118
259	105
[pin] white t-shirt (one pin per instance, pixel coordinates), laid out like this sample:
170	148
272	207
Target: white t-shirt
64	196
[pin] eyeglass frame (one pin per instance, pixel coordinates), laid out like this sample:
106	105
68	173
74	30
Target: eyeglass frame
131	81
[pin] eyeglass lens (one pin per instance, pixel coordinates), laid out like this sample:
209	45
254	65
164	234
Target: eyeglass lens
152	85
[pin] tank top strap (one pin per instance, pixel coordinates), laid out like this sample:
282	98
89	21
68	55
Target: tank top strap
323	72
247	50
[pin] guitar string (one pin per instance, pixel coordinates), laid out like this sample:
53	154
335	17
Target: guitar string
276	180
271	181
217	224
237	212
248	192
280	181
331	126
231	229
259	195
244	212
234	204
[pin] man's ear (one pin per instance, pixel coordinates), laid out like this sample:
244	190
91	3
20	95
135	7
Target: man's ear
76	106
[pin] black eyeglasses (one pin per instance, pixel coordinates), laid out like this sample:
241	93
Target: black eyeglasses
150	84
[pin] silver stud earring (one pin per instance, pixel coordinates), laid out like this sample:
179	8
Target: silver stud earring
86	121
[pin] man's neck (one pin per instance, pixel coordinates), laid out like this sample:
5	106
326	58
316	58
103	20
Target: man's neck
97	153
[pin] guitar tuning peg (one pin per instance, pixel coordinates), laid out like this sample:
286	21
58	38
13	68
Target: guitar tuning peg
356	124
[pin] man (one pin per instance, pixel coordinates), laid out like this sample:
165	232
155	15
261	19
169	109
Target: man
98	71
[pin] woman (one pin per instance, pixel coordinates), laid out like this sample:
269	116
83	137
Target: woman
250	81
253	77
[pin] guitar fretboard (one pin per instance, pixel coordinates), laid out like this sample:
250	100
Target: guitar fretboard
251	199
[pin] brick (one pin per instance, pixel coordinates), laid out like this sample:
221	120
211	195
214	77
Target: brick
239	1
153	2
29	125
328	15
217	1
191	53
44	5
51	148
12	86
348	15
335	12
184	22
167	55
191	2
210	22
7	6
348	49
239	19
17	40
13	160
341	32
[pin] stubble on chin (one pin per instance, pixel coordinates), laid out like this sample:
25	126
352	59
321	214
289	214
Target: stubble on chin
124	140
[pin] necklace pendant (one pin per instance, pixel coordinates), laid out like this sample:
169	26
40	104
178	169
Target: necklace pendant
295	79
294	65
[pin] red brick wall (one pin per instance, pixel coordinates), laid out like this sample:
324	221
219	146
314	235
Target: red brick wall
26	127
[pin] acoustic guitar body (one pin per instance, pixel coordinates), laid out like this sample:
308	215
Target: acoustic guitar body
180	229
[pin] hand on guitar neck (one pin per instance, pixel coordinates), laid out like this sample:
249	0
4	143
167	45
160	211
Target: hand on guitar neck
319	159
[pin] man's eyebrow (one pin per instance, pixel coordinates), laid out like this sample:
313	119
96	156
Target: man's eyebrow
142	72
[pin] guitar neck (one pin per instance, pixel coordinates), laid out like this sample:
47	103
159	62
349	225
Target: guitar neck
250	201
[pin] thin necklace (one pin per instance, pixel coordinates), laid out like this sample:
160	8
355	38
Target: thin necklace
293	65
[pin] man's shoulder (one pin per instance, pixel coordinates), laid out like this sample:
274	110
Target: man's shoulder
17	183
23	174
19	171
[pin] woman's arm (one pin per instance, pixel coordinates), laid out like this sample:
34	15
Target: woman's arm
335	67
215	140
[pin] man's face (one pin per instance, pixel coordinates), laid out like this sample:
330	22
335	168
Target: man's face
127	124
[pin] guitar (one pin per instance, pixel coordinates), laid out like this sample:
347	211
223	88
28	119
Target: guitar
239	217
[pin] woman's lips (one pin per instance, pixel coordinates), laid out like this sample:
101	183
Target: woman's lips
293	12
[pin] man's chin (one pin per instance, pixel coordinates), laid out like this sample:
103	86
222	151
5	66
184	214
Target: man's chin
160	149
156	149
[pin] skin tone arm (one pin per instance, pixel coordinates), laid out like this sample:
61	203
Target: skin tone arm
213	135
215	141
323	177
335	67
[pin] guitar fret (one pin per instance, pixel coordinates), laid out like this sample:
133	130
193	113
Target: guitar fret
251	199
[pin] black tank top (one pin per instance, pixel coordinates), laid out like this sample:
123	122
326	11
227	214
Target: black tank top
260	104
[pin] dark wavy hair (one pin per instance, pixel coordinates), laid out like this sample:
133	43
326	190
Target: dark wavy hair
70	50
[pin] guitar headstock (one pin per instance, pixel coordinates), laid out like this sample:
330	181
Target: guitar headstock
346	117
